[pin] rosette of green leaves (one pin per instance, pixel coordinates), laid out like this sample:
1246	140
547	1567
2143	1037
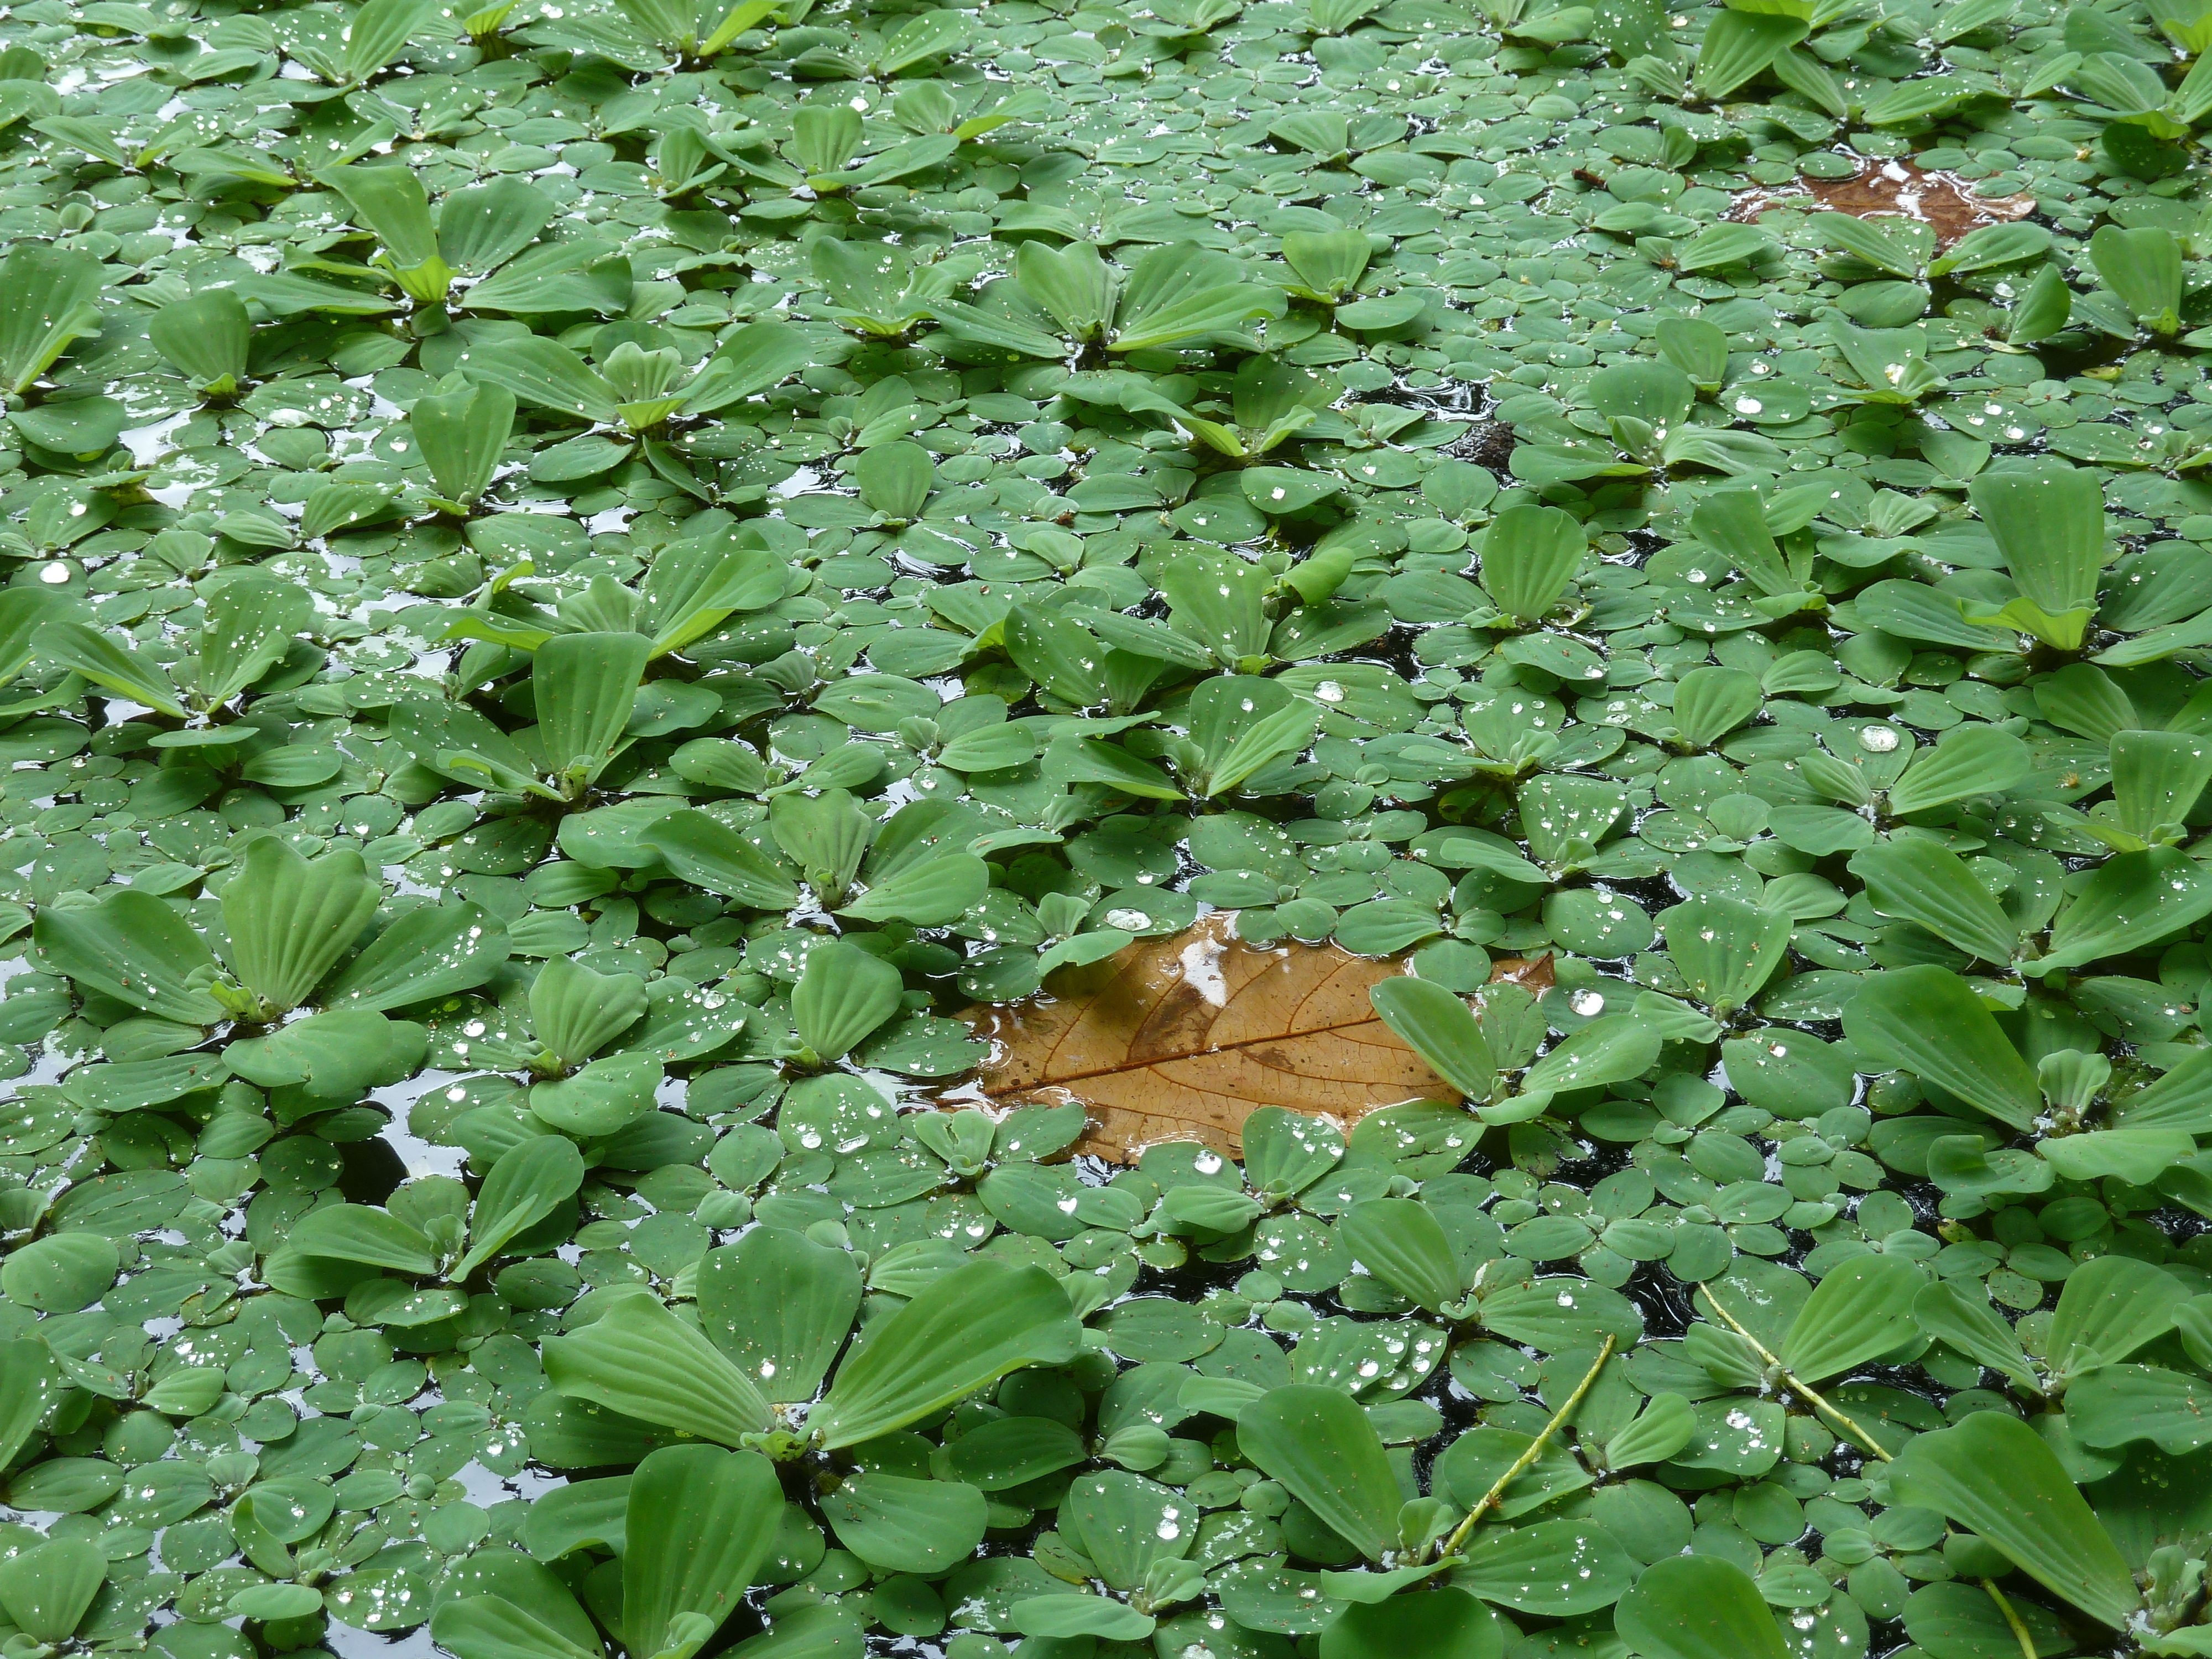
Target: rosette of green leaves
293	935
1060	303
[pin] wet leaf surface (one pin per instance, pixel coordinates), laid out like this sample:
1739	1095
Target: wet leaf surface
1181	1038
1892	188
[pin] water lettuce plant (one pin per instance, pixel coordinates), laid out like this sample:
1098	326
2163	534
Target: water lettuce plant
1282	830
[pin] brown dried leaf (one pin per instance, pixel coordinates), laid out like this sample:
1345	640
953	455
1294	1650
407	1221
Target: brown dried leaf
1532	974
1181	1038
1894	189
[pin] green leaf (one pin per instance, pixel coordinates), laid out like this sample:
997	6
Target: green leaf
754	359
740	17
390	201
1928	1021
1093	760
640	1359
896	479
1127	1526
285	293
1995	1477
1441	1028
699	1528
602	1097
25	615
842	995
1220	601
898	1524
135	948
1664	1427
2182	1099
1318	1443
331	1056
1000	330
1402	1244
61	1273
456	741
1287	489
1726	950
1961	1317
707	854
2144	268
932	35
2157	777
1530	555
338	504
1969	760
1860	1310
47	1589
207	335
85	650
1656	394
1733	524
379	32
1718	246
1052	1619
430	951
1697	1606
492	1628
2043	310
526	1184
1056	651
1916	879
1241	723
1609	1050
1557	1568
356	1232
780	1305
575	1012
1327	264
2133	899
49	298
2110	1307
826	835
290	920
1896	246
2116	1404
1073	284
1180	292
1992	246
543	372
1438	1624
30	1386
962	1333
934	893
2048	520
586	686
481	228
1913	610
1711	703
252	620
2136	1156
1700	349
462	436
695	583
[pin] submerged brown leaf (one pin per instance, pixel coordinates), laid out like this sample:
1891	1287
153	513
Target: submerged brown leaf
1893	189
1181	1038
1532	974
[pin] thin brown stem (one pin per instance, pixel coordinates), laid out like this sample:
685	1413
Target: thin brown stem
2019	1628
1521	1463
1796	1387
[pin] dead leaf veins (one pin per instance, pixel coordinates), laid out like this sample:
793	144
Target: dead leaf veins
1181	1038
1893	189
